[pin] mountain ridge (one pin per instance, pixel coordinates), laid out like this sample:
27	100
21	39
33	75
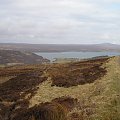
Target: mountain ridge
60	47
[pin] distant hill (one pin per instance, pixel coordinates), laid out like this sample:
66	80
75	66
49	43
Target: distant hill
11	57
60	47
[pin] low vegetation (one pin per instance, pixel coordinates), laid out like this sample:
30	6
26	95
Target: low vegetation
79	73
86	90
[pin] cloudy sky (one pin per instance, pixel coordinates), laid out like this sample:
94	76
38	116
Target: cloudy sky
60	21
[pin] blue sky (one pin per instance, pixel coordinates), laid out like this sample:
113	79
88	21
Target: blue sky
60	21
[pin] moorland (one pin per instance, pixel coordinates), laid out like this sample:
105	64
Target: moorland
81	90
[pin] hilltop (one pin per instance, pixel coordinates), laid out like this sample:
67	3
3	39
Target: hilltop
84	90
11	57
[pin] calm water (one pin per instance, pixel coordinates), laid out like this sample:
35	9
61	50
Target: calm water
81	55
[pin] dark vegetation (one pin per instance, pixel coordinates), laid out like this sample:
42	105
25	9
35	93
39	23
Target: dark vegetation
55	110
67	102
16	57
78	73
18	70
47	111
16	92
25	83
13	93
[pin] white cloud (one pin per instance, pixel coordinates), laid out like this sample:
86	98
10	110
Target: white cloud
60	21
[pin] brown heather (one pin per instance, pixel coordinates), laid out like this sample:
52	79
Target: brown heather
86	90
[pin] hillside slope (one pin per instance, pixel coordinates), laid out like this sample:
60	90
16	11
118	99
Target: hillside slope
14	57
87	90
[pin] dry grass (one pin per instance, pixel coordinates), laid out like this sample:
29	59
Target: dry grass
109	104
98	100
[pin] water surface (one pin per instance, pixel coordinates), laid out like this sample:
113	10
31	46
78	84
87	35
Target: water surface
80	55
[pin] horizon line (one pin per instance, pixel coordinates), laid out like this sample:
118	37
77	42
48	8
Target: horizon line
57	43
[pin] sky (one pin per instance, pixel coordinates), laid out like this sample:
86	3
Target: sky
60	21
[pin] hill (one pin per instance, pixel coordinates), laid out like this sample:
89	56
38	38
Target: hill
12	57
60	47
84	90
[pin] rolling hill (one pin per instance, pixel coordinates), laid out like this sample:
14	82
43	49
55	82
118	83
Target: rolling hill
12	57
60	47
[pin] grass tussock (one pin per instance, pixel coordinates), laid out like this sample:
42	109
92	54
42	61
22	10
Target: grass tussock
47	111
67	102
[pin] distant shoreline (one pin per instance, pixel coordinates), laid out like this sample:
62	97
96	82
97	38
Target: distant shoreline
63	56
61	47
